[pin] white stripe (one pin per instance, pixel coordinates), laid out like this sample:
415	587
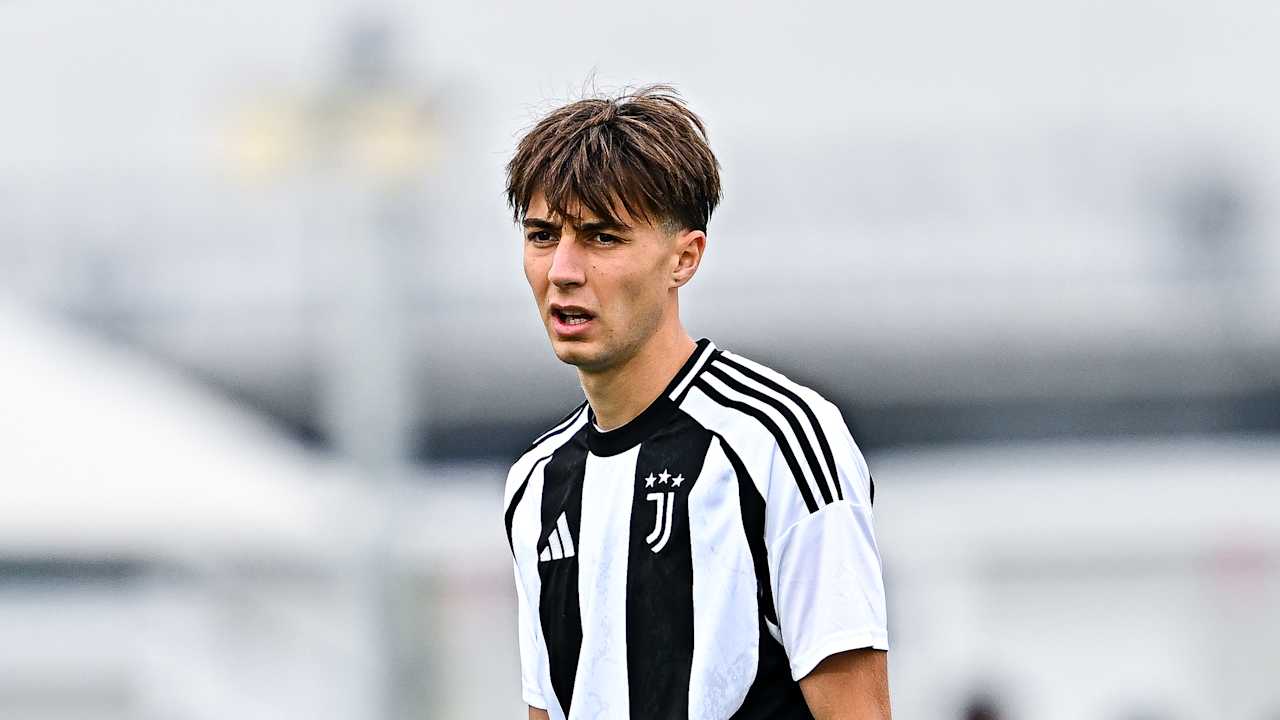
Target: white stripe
693	371
726	630
600	687
546	554
562	525
811	433
788	437
745	434
666	532
557	552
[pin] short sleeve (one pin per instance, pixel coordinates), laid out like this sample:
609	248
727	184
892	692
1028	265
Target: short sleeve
533	655
824	563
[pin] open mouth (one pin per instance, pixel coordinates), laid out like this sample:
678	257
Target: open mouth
571	316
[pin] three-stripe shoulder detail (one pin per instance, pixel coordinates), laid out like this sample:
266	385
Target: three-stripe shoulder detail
828	457
805	448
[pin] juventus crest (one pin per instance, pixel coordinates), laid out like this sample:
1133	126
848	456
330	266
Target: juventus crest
665	502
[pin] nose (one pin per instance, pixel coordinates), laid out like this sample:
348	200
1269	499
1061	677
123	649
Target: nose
566	265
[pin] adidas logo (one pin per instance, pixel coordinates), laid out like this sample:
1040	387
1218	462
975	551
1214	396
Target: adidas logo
559	542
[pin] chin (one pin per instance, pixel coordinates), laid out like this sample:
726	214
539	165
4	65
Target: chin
572	352
579	353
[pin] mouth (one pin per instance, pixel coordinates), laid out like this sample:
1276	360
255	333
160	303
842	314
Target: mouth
570	319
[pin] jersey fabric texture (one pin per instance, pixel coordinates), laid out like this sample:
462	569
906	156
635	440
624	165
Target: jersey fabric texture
699	560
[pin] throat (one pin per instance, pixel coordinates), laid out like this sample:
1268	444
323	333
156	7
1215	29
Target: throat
621	393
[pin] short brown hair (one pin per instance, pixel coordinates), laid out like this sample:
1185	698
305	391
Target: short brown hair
643	149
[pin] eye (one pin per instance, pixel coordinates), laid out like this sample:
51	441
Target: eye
540	237
606	239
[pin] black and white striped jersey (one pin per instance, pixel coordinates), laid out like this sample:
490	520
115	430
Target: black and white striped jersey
701	559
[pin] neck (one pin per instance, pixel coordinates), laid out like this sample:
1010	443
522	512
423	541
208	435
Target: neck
620	393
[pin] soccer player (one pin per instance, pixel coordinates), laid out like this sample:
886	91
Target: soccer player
695	539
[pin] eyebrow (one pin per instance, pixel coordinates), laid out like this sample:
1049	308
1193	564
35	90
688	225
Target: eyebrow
600	225
540	223
586	227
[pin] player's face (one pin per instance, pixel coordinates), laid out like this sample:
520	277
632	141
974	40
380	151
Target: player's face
602	289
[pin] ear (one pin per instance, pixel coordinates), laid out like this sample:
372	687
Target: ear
690	244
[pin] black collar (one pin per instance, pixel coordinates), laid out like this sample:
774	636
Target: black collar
640	427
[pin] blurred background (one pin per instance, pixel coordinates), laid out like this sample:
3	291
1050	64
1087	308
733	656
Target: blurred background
266	349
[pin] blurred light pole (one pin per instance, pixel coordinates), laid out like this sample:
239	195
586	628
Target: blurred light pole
365	142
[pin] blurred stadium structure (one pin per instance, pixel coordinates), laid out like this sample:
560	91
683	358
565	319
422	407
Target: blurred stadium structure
267	346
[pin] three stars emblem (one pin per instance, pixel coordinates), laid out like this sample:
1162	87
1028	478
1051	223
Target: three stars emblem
663	478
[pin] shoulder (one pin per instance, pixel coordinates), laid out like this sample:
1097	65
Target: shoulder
563	427
780	428
764	377
544	444
739	386
539	450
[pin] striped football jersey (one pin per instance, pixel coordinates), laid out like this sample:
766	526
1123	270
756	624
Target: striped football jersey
699	560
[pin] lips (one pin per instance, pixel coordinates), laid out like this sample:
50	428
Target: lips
569	320
571	313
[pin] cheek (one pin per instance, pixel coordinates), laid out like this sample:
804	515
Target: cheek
534	274
640	293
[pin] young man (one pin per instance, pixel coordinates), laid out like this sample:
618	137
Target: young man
695	540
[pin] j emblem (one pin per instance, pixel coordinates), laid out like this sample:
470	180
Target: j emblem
664	510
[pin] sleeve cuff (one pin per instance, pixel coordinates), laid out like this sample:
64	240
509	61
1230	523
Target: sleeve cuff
804	664
533	698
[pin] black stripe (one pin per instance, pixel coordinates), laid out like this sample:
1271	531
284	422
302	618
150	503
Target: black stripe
753	524
660	585
564	422
558	608
873	487
768	423
815	469
773	694
515	502
804	406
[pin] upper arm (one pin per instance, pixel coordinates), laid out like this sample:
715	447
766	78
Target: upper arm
823	559
538	714
850	684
